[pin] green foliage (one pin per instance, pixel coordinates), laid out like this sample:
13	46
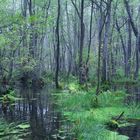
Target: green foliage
106	85
91	56
70	103
73	87
47	77
28	64
120	78
89	122
125	81
2	41
23	126
13	131
108	98
133	111
9	98
119	73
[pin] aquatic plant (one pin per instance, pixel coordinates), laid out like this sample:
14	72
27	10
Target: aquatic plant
13	131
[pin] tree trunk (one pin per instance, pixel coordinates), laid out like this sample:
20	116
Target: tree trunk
129	48
82	34
105	76
57	46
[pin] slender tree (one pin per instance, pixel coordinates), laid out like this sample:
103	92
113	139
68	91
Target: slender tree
57	46
137	34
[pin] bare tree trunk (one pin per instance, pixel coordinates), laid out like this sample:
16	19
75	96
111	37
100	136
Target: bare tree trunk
124	48
129	47
70	59
100	28
101	25
105	69
90	33
31	44
137	34
82	34
57	46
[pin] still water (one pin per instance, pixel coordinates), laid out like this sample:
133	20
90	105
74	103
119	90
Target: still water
39	108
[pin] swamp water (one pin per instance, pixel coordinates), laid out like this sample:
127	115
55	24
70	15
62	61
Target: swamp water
39	108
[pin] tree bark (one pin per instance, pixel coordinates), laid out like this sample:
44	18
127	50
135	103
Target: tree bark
57	46
105	76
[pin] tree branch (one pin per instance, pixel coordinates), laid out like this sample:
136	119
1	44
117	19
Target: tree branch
135	30
76	9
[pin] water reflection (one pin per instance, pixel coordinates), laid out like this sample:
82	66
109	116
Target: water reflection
36	107
131	131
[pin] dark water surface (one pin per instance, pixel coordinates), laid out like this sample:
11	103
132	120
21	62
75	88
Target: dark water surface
133	132
39	108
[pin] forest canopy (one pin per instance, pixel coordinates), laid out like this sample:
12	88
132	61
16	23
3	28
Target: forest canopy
98	38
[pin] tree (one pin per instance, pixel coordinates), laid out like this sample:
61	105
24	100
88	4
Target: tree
101	24
105	68
57	46
82	35
137	34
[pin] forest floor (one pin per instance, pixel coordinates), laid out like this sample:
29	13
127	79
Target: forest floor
100	120
112	115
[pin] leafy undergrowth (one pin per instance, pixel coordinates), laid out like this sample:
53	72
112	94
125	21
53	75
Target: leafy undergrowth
126	81
10	96
13	131
88	119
